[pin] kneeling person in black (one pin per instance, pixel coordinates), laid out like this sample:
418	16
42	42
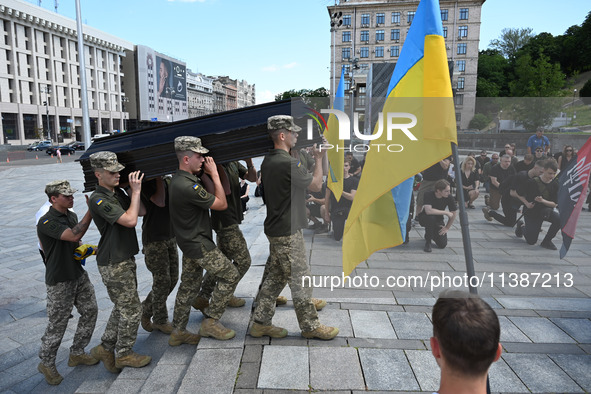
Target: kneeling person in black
431	217
542	196
337	211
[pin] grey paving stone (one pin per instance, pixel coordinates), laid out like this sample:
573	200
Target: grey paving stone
219	365
236	319
416	301
554	303
248	376
540	374
425	368
409	325
371	324
163	379
284	367
510	332
178	355
337	318
413	344
586	348
577	367
125	386
503	380
94	386
326	374
579	329
540	330
372	307
545	348
387	369
252	354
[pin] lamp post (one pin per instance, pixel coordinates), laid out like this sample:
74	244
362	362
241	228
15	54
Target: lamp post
124	100
573	106
169	94
47	90
335	23
499	123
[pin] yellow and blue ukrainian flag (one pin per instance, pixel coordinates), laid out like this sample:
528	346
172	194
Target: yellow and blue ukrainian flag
335	156
420	85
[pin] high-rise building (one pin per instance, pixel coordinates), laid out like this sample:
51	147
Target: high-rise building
246	94
366	32
200	94
39	76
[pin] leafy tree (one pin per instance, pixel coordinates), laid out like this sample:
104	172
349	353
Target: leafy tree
492	74
320	92
479	121
511	40
585	92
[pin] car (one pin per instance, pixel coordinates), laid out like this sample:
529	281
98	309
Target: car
99	136
39	145
65	149
77	145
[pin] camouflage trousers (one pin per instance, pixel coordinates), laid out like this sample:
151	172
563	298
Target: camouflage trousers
232	244
162	259
286	265
61	298
227	275
121	283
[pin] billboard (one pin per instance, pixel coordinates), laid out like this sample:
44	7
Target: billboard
162	86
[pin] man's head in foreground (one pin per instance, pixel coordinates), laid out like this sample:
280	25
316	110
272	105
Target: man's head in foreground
465	340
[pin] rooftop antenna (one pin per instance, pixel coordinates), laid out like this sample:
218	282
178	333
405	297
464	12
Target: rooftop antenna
39	3
56	4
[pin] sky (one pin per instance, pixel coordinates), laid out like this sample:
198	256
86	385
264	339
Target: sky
277	45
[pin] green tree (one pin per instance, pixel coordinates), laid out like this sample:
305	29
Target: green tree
304	93
511	40
492	74
585	92
479	121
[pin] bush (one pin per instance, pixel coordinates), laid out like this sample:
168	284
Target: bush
585	93
479	121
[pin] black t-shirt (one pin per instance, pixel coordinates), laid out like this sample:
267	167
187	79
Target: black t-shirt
521	166
118	243
482	160
59	255
354	165
156	222
440	203
501	174
285	180
233	214
344	205
434	173
471	180
536	187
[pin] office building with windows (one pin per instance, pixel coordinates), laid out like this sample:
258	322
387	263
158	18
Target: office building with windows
39	76
199	94
366	32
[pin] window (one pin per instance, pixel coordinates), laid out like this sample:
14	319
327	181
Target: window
444	14
347	20
410	16
364	52
379	51
346	69
380	18
346	36
395	51
461	81
364	66
396	17
459	99
346	53
445	32
365	35
463	31
462	48
379	35
395	34
461	65
458	116
365	19
347	84
463	13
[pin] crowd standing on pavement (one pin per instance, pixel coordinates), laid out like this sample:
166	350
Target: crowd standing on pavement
181	211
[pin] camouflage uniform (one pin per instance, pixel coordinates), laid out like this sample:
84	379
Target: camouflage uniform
67	282
286	265
121	331
162	260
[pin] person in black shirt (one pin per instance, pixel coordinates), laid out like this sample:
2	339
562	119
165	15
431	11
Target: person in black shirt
432	215
431	175
354	163
337	212
526	164
482	160
541	194
498	174
470	181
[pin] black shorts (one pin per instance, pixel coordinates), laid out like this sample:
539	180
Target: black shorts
314	209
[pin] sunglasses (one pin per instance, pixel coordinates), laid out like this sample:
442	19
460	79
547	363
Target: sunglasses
539	150
569	150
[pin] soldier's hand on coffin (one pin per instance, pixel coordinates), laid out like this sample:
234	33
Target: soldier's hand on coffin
135	181
210	167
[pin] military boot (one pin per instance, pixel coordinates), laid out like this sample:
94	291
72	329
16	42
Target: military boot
133	360
321	332
107	357
236	302
81	359
178	337
201	303
213	328
258	330
165	327
281	300
146	323
52	376
318	303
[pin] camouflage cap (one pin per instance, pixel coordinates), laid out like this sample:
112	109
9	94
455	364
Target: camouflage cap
185	143
59	187
282	122
106	160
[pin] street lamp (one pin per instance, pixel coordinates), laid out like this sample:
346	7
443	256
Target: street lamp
573	106
335	23
47	90
169	91
124	100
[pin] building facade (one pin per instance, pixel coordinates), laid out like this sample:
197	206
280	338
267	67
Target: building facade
39	76
246	94
199	94
366	32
